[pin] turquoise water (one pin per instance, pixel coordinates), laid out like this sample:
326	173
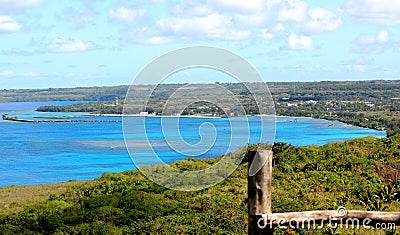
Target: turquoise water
36	153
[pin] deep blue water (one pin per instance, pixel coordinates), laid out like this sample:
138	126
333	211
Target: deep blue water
36	153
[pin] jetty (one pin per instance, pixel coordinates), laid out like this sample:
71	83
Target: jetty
6	117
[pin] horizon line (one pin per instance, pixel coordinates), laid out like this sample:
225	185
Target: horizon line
211	82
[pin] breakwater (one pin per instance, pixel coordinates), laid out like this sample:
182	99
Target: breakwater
16	119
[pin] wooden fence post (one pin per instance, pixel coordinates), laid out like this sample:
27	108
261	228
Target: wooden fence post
259	191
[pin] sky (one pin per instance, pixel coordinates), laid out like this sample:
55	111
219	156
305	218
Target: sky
46	43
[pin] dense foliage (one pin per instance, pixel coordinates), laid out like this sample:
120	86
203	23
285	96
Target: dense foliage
357	174
63	94
91	107
372	104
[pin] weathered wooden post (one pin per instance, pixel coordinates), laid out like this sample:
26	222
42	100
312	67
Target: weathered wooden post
259	190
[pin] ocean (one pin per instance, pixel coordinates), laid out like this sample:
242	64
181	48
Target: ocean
38	153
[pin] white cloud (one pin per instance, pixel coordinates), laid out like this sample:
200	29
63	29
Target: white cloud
213	26
256	20
292	11
126	15
78	18
301	42
360	68
359	64
158	40
225	20
31	74
279	28
192	9
6	73
6	5
239	6
385	12
297	15
266	34
380	38
322	20
8	24
372	44
383	37
70	45
367	39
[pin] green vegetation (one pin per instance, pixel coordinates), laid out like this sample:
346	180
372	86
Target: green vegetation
357	174
63	94
91	107
372	104
16	198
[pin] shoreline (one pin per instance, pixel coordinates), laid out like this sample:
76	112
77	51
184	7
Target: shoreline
154	116
61	119
196	116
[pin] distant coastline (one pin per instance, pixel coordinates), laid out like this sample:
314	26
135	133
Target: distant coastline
155	116
345	101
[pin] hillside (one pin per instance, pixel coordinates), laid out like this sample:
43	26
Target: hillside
357	174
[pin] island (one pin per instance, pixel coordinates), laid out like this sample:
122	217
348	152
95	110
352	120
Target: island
372	104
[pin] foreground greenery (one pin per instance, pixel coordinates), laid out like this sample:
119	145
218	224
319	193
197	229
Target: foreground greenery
16	198
357	174
372	104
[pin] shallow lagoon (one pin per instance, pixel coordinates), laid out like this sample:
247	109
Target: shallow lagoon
35	153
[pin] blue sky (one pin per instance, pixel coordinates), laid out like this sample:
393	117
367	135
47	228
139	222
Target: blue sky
73	43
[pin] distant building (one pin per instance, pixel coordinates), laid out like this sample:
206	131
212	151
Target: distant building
370	104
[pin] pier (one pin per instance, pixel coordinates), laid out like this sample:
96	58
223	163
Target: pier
6	117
